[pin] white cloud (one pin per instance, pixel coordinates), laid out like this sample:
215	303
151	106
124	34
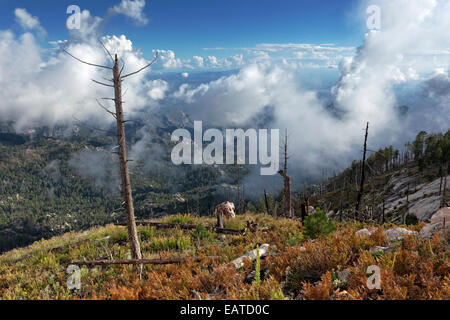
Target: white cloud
37	89
118	45
168	59
157	89
28	22
48	88
212	61
198	61
132	9
329	133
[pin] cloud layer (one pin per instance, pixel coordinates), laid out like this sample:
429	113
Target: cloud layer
406	62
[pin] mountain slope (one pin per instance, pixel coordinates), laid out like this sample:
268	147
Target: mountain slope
329	267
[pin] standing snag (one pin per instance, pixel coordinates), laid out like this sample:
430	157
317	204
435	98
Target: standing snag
122	148
363	165
287	205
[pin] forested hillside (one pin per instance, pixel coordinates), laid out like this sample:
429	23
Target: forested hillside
52	185
45	190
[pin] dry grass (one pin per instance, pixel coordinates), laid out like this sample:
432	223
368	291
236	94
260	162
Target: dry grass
295	268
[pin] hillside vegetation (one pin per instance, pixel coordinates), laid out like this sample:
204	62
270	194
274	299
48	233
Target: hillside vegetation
331	266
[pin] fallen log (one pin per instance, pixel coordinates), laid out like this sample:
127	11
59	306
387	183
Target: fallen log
140	261
239	262
163	225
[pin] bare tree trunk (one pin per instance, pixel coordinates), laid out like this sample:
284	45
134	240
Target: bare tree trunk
287	205
239	190
275	209
124	173
407	205
243	199
341	207
361	188
266	202
220	222
121	141
443	204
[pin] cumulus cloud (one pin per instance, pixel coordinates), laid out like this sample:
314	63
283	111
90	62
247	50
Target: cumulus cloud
168	60
133	9
198	61
157	89
409	54
328	133
28	22
41	88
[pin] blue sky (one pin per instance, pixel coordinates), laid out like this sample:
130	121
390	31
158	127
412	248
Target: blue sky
188	27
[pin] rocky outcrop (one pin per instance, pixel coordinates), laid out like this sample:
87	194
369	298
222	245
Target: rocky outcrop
390	234
424	199
398	233
440	222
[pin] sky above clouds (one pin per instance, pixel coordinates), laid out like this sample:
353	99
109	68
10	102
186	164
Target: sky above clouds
311	67
217	31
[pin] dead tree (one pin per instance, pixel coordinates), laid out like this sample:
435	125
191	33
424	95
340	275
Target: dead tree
341	200
266	203
361	187
239	198
287	206
443	204
121	141
407	206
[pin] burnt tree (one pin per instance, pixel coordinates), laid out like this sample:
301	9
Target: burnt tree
287	206
363	165
121	141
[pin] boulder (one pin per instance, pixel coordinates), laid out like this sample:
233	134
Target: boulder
398	233
365	232
436	224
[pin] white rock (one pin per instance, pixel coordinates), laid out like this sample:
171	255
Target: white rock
398	233
437	224
365	232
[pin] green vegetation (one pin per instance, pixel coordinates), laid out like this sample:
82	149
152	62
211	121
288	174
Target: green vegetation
414	269
318	224
50	186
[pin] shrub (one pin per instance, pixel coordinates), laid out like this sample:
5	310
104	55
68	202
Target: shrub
318	224
202	233
251	207
411	219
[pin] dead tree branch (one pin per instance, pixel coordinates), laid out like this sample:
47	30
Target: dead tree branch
140	261
162	225
152	62
88	63
103	84
106	109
